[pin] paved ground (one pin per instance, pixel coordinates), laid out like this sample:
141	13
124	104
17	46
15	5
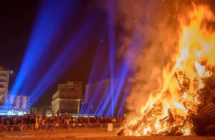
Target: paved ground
84	134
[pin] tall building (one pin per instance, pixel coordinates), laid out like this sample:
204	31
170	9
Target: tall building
4	80
67	99
10	104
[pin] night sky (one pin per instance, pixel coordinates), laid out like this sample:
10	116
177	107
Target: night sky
15	25
126	22
17	20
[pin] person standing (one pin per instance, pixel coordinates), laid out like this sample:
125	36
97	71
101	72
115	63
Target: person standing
67	122
22	125
36	122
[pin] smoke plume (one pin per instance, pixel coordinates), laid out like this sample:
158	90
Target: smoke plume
151	39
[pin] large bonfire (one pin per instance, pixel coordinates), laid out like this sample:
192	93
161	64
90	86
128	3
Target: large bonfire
188	86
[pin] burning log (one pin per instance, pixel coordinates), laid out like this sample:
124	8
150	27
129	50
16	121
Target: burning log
148	117
169	118
185	82
205	121
207	114
210	84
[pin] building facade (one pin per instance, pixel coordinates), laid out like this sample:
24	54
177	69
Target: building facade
67	99
20	102
101	96
4	80
14	105
10	104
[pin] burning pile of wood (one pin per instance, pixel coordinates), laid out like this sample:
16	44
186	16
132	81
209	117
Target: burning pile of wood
204	121
185	103
201	121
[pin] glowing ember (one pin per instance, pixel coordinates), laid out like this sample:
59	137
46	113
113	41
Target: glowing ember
169	112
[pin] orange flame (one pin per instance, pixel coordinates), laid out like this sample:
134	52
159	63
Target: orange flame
170	107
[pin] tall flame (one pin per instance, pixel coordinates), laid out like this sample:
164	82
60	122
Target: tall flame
169	109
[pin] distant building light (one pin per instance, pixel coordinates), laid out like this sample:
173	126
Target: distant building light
9	113
20	113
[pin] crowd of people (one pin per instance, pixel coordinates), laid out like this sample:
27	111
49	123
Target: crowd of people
32	122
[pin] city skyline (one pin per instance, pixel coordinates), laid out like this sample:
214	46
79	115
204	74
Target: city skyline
20	23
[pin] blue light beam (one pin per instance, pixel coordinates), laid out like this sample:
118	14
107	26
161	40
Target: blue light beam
69	55
51	16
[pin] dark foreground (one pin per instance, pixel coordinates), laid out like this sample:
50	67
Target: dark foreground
85	134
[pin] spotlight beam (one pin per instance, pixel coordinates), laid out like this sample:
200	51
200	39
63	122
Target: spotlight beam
43	34
54	72
111	31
